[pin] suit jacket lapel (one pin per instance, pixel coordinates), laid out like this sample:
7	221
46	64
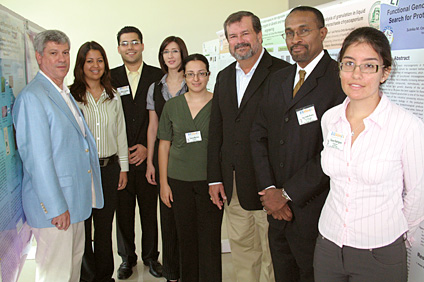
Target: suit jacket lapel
232	87
144	78
57	98
259	76
288	86
122	79
312	81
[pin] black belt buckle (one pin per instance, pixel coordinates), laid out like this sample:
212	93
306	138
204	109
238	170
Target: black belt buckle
107	161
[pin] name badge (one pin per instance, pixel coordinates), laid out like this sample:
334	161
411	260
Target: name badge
306	115
124	90
335	140
194	136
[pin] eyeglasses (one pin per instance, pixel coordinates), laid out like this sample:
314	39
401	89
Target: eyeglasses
364	68
127	43
191	75
301	33
174	52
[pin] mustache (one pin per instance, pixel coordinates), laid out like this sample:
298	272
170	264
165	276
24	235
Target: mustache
241	45
297	45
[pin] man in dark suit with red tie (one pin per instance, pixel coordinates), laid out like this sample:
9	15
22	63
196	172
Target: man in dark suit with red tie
132	81
286	144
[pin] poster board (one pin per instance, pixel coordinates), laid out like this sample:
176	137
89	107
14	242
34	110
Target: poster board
16	68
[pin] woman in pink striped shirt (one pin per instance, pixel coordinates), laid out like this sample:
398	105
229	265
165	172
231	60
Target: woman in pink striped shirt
374	155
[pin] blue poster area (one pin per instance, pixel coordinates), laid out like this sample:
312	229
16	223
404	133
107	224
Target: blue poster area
403	25
14	233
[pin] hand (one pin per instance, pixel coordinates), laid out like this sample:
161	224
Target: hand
150	174
138	155
62	221
284	214
166	195
123	180
217	194
272	200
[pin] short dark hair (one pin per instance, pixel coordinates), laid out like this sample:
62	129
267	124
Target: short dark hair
195	57
373	37
165	42
318	15
79	87
128	29
237	16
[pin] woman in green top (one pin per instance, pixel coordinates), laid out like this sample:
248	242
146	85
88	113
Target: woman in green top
183	134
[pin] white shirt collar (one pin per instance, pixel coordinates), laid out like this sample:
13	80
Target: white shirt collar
65	88
252	70
311	66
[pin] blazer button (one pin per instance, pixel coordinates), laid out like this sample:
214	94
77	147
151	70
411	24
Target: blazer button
89	171
281	165
238	120
282	142
86	150
286	119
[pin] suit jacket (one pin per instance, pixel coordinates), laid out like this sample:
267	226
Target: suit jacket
229	131
59	162
287	154
136	114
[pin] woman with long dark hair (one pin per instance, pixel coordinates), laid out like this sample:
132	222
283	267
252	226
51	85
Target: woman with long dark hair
102	109
172	52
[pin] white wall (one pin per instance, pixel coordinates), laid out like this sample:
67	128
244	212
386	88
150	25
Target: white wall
196	21
295	3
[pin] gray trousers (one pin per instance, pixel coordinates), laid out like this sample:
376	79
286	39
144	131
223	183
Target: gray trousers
347	264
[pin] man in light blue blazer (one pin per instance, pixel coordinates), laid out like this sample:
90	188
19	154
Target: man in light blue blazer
61	173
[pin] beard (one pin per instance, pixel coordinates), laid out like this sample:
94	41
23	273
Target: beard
302	57
250	53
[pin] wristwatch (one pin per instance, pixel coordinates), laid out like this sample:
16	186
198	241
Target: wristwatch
285	195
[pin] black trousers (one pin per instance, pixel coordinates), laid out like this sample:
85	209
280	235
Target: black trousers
198	223
97	265
170	247
292	255
147	197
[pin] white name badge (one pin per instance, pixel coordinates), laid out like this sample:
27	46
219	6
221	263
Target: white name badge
194	136
335	140
124	90
306	115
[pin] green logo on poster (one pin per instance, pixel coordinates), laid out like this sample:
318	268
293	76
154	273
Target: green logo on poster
374	15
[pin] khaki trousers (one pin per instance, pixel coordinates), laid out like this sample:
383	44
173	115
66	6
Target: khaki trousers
248	236
59	253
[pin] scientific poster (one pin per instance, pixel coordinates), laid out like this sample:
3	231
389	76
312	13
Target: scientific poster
14	232
403	25
31	63
211	52
12	50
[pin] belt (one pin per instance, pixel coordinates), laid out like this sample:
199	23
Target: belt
108	161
